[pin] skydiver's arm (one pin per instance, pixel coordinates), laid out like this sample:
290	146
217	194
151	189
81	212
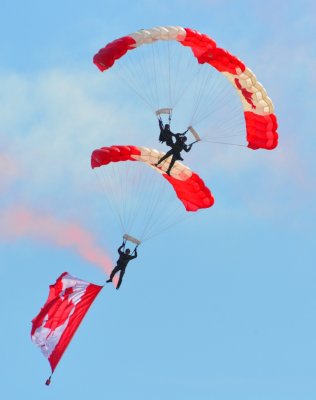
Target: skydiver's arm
135	253
160	124
120	249
188	148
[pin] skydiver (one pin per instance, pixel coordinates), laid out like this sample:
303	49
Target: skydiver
122	262
166	135
175	151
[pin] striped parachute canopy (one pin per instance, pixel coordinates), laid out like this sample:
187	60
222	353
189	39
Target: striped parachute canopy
139	196
165	75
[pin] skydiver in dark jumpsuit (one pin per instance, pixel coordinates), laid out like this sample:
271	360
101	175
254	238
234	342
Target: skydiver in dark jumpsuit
166	135
122	262
175	151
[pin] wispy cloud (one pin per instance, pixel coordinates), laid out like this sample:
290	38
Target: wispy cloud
21	222
9	171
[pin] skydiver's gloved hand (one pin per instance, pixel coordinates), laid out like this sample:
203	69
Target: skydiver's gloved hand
190	146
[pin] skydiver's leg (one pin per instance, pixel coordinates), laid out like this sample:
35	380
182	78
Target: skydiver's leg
115	270
120	278
168	154
171	164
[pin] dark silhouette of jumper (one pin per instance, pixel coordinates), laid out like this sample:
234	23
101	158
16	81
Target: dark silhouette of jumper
122	262
165	133
175	151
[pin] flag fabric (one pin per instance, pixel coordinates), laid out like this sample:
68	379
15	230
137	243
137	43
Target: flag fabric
68	301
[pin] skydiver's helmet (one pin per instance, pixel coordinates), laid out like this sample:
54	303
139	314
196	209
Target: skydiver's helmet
127	251
184	139
167	127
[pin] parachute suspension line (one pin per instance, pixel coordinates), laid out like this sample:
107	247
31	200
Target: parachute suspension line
148	69
173	66
117	180
199	94
225	143
163	222
125	179
155	74
184	64
181	64
152	208
162	209
149	208
211	89
133	88
132	180
162	60
179	220
224	128
213	99
166	207
170	220
101	178
222	137
157	224
169	77
157	204
182	93
209	93
145	181
133	68
158	209
229	115
117	193
224	105
153	202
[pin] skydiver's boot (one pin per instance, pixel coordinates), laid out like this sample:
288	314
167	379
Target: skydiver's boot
109	280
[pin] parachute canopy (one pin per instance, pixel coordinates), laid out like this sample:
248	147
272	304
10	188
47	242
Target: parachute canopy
188	186
68	301
259	117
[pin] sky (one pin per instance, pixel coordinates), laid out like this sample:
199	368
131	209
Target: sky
221	306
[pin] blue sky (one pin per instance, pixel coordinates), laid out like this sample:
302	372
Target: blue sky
219	307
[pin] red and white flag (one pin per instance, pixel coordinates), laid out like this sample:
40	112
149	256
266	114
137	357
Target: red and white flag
68	301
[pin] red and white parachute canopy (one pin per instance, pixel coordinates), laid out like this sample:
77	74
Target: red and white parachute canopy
261	122
188	186
68	301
